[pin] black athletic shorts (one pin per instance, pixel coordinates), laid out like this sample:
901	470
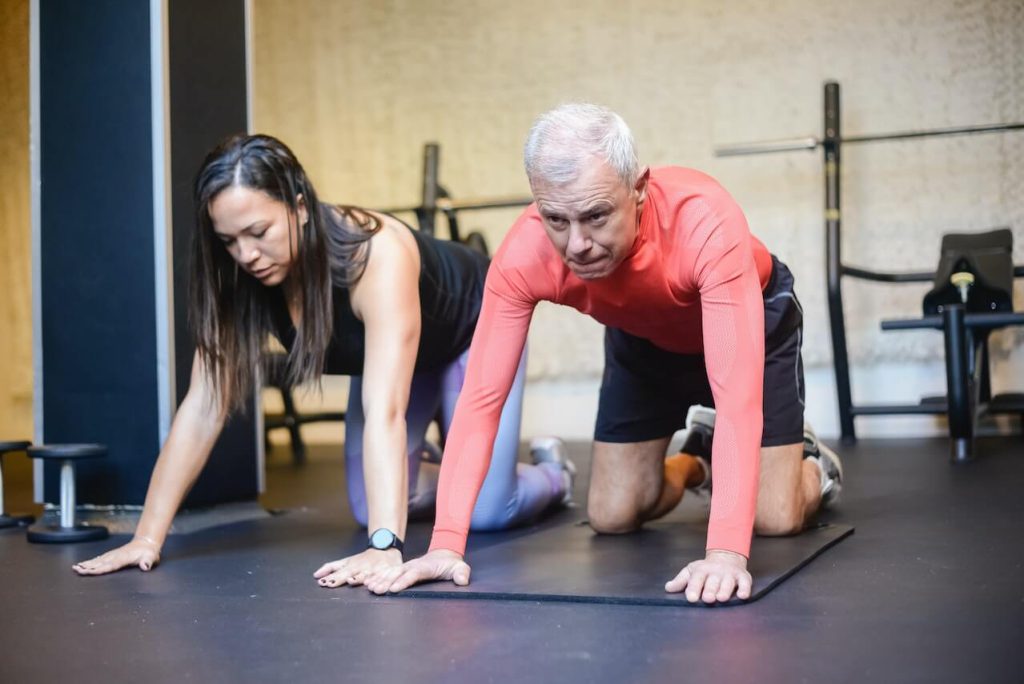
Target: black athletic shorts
646	391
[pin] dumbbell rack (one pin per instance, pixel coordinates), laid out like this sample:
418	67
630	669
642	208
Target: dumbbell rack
69	529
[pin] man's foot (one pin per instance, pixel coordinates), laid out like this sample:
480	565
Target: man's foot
700	429
552	450
830	465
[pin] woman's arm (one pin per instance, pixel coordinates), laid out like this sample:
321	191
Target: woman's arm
194	431
387	300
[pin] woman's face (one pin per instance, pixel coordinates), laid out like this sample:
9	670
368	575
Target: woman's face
259	232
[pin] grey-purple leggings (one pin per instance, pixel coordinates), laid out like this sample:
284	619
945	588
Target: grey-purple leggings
512	493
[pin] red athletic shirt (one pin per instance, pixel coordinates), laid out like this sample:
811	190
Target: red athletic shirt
691	284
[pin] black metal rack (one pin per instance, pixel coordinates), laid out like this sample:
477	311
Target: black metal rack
831	144
435	198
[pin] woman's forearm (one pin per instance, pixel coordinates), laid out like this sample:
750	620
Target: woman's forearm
182	458
386	471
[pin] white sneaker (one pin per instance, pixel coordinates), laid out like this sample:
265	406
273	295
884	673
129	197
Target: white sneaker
552	450
700	415
829	464
700	429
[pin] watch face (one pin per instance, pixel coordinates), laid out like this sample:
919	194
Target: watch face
382	539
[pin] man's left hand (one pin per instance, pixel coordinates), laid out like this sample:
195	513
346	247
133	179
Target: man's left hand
713	579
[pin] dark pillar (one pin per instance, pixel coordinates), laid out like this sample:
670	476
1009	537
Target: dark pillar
131	95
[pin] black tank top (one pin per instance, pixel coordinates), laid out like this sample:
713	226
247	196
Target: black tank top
451	289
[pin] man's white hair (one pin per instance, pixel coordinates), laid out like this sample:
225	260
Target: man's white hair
566	136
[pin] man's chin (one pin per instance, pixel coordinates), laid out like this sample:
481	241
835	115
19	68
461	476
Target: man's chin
594	272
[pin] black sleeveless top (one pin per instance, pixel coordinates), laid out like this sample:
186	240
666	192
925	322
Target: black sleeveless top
451	290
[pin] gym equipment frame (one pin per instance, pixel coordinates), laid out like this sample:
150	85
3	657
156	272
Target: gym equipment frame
966	391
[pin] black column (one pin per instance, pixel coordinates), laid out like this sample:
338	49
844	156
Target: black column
208	102
100	245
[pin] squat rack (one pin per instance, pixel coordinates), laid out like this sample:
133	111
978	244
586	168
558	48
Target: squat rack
831	144
435	198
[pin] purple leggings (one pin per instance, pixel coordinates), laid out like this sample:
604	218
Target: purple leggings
513	493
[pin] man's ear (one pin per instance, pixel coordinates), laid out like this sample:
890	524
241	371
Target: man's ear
640	188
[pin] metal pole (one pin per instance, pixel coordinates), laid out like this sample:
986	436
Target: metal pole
960	408
478	205
833	262
796	144
934	132
768	147
67	494
426	213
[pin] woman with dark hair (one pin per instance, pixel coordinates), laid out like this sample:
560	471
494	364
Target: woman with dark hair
346	291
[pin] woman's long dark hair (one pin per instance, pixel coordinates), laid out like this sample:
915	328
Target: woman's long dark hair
230	311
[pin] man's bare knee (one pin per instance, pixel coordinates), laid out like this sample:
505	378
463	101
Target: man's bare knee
605	520
780	521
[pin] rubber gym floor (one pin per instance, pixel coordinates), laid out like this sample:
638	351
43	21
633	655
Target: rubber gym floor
928	589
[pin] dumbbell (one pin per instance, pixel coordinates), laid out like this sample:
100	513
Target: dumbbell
10	520
68	530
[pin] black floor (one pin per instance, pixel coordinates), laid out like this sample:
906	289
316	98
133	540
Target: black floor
929	589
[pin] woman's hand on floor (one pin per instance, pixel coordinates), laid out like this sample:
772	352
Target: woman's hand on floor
355	570
143	553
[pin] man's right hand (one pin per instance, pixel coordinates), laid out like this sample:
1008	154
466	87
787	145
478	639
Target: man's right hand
141	552
435	565
714	578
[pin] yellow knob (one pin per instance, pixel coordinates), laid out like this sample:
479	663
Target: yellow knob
962	279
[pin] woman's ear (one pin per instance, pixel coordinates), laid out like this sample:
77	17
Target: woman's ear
301	211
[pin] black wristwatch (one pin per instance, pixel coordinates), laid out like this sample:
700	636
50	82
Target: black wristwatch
384	539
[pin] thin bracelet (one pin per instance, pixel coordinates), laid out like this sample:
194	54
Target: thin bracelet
145	538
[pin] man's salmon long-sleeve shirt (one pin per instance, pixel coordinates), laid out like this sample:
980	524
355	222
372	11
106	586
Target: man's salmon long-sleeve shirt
691	284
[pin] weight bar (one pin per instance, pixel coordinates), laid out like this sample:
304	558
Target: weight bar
811	143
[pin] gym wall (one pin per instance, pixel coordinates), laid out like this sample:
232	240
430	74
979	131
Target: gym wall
357	88
15	219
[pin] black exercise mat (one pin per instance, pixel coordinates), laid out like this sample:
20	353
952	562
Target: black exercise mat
571	563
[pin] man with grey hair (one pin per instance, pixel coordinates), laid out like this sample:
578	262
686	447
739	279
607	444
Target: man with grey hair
697	313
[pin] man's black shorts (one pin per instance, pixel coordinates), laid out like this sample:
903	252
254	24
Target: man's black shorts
646	391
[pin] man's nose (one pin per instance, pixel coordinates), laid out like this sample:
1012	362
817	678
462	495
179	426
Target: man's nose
579	242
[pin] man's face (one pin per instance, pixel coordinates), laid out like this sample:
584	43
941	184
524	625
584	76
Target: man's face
592	220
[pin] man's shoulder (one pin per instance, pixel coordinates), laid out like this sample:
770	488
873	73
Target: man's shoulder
681	192
526	238
527	258
681	180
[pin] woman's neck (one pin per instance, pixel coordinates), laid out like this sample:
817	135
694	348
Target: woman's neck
293	299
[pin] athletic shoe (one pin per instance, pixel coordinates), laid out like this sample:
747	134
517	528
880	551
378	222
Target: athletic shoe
700	429
829	464
552	450
430	452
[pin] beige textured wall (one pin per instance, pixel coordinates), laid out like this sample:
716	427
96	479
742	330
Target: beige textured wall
358	87
15	226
